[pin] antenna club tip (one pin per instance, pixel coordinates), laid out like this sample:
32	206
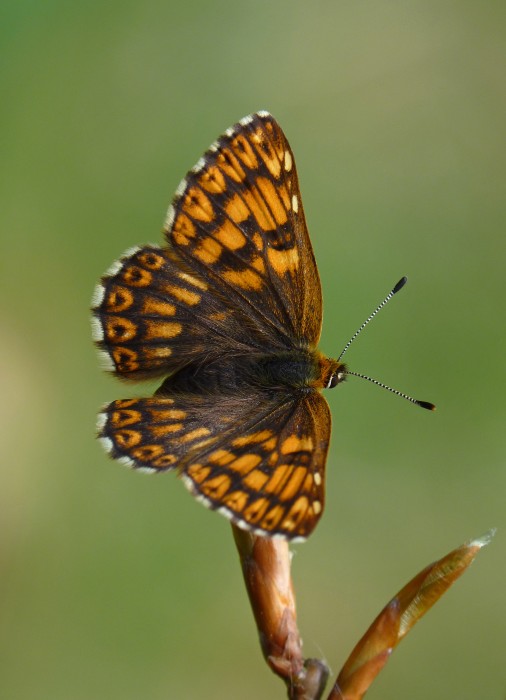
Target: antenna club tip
400	284
426	404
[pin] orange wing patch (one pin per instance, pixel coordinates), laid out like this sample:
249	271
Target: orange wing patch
236	209
197	205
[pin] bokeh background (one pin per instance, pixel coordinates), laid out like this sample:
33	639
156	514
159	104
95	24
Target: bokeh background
117	585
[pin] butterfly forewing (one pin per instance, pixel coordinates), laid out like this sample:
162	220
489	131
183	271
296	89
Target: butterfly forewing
240	258
238	219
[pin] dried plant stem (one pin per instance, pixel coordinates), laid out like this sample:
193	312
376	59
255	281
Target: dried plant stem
266	568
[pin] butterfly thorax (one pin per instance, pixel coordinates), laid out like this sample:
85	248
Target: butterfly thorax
302	369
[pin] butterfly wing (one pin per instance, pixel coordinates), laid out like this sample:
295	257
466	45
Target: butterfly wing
153	315
256	459
239	273
237	219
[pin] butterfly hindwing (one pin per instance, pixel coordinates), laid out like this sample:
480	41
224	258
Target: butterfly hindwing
259	460
269	478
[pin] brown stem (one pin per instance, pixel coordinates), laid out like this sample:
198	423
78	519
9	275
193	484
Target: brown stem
266	569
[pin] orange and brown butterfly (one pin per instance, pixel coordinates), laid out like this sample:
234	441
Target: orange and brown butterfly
229	310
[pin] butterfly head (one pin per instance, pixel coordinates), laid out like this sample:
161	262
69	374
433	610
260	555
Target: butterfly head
331	372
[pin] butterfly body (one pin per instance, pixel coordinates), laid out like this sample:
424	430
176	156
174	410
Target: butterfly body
229	312
299	370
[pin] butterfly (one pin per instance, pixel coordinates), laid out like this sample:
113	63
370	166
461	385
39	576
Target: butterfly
229	312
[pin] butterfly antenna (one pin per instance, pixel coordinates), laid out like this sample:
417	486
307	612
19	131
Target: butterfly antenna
424	404
400	284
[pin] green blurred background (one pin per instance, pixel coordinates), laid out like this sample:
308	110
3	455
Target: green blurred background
116	585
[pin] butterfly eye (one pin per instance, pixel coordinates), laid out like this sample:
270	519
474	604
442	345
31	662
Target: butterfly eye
335	379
